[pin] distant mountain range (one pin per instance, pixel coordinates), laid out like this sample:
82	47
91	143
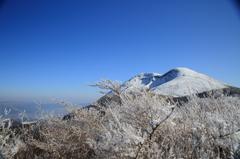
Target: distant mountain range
31	109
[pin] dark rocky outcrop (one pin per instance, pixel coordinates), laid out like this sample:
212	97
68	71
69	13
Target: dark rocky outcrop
229	91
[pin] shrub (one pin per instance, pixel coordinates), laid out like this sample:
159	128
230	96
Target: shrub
135	124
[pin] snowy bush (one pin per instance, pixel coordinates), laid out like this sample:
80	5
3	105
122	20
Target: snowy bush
136	124
144	125
10	142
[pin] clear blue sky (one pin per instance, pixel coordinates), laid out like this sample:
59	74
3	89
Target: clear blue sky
51	48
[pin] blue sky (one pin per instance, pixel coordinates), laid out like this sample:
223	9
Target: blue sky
50	49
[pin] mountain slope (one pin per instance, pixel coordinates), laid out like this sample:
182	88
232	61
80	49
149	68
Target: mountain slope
175	85
176	82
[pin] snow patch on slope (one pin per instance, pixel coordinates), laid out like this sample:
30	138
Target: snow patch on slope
176	82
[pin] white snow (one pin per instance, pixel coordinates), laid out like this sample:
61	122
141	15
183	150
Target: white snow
176	82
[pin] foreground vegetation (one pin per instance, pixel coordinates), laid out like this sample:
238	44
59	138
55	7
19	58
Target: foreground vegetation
137	125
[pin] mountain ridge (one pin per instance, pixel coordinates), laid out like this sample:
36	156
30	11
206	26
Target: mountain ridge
176	82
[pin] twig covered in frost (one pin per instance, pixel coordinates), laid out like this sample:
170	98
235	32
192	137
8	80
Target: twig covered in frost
156	123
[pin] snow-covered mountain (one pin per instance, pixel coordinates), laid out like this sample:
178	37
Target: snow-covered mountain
176	82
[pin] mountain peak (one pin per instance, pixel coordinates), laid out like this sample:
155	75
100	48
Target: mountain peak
176	82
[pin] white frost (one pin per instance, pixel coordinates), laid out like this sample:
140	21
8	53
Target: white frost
176	82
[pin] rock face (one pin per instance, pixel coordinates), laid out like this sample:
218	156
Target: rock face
176	82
